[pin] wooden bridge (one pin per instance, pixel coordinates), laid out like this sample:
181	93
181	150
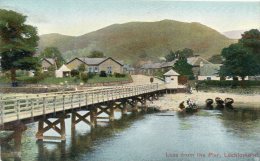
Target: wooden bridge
18	110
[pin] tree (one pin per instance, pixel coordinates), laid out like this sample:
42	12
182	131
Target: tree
96	54
238	61
187	52
216	59
171	56
53	53
18	43
81	69
179	54
183	67
251	40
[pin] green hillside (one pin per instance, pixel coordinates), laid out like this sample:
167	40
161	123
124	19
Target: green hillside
141	40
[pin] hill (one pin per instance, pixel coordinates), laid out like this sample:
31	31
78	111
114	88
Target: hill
234	34
141	40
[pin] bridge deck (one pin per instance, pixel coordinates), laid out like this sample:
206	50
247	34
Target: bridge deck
20	107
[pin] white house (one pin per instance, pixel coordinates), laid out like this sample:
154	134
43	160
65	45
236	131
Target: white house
171	78
64	71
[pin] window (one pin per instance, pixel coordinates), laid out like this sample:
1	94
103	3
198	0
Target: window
96	70
109	70
44	69
90	69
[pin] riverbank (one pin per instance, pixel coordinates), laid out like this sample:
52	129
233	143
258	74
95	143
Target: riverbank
172	101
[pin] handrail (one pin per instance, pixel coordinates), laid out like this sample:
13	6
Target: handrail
30	106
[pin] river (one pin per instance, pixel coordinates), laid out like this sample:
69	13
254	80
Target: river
206	135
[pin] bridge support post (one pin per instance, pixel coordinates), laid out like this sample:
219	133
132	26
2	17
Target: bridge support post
93	117
60	120
111	112
124	108
135	107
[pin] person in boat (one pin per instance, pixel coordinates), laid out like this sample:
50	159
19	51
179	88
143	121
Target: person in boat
182	106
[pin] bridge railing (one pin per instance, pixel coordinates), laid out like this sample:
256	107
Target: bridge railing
28	106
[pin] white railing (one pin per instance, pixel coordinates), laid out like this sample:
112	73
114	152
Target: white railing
27	106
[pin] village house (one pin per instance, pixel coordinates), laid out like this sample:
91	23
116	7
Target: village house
209	71
63	71
95	65
46	63
152	68
196	62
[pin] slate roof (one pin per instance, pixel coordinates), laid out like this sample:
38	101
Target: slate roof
158	65
50	60
171	73
92	61
195	61
210	70
168	64
96	61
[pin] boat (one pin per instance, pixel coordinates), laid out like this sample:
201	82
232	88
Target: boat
219	101
209	103
229	102
188	107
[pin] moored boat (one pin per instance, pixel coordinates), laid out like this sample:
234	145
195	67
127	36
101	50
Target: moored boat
219	101
209	101
229	102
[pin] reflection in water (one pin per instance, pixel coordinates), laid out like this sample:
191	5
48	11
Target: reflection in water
149	137
84	143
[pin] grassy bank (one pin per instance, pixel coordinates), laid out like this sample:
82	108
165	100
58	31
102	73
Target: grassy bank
68	80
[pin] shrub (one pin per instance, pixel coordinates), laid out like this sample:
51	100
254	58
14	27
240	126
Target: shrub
103	74
74	72
91	75
84	77
119	75
228	83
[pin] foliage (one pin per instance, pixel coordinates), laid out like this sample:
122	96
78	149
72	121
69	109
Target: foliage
251	40
239	61
74	72
216	59
96	54
53	53
82	68
179	54
119	75
84	77
159	74
51	71
91	75
18	42
183	68
103	74
171	56
227	83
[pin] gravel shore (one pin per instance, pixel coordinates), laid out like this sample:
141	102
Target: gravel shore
172	101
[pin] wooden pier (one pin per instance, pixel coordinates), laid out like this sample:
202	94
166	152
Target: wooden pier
23	109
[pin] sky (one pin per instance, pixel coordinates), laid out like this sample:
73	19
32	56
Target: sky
78	17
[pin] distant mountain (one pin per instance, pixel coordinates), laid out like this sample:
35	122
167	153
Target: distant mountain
136	41
235	34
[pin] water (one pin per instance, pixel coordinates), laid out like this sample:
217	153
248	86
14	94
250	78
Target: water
206	135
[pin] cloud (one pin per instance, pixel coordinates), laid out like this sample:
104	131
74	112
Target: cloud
31	17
